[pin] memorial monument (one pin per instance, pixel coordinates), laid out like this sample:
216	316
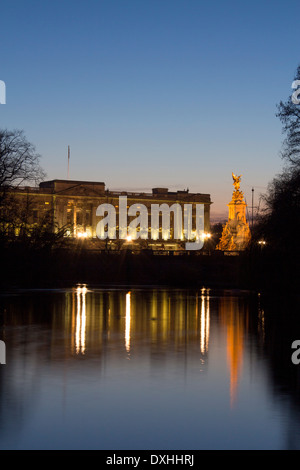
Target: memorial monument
236	232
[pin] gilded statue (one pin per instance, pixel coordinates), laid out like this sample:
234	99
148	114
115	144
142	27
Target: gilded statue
236	232
236	181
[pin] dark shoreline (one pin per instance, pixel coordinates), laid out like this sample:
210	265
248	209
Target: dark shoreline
252	271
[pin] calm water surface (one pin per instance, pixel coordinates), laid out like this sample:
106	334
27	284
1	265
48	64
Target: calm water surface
147	369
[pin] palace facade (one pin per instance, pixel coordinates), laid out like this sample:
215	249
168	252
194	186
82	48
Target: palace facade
73	206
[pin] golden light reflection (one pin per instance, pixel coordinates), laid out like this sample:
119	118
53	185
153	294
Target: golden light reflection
235	322
127	321
204	322
80	320
235	348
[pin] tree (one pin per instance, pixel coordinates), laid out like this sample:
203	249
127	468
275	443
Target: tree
19	162
280	223
289	114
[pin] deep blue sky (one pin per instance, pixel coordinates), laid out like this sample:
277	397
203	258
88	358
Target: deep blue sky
175	93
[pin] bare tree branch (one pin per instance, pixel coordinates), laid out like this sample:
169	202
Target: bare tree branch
289	115
19	162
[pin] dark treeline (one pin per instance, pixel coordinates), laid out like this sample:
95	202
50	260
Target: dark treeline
279	224
28	266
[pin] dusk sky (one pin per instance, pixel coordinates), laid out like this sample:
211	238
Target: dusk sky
152	93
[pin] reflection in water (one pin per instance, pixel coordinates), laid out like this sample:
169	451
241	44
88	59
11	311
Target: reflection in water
160	316
80	320
54	339
127	323
204	337
261	320
235	319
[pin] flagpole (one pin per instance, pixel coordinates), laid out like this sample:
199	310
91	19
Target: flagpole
68	161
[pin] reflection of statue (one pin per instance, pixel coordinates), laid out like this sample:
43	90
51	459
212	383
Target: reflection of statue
236	181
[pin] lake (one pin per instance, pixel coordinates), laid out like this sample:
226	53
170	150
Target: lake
148	368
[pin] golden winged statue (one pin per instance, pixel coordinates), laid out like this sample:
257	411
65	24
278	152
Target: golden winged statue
236	181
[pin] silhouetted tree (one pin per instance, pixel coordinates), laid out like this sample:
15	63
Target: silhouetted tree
216	231
19	162
279	225
289	115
